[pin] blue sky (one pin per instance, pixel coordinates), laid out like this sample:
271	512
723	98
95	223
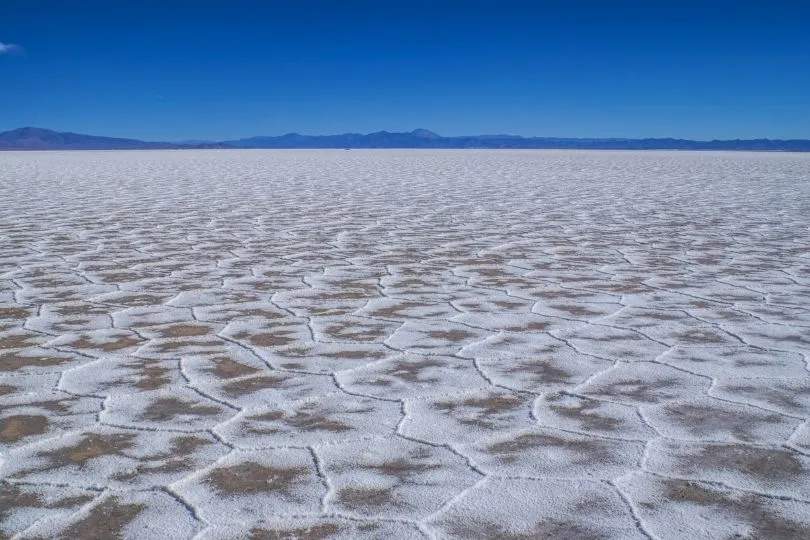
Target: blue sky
174	70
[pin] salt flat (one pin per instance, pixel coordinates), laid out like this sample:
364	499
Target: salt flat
404	344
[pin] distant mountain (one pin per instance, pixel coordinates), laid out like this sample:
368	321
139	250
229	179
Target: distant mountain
422	138
195	141
44	139
30	138
425	134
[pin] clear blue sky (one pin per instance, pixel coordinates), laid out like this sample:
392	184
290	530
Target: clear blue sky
174	69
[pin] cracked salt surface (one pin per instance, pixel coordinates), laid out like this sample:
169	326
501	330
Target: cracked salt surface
404	344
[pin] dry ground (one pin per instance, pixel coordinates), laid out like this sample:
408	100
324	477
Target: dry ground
404	344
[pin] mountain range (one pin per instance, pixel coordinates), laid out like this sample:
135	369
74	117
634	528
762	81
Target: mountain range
30	138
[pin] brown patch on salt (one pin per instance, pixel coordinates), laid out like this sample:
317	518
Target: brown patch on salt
225	368
355	355
186	445
58	406
576	310
168	408
586	451
256	478
293	366
81	309
305	419
563	293
173	345
774	464
20	341
451	335
277	339
623	288
177	458
366	497
640	390
781	395
536	326
13	361
549	529
412	371
700	304
297	350
12	496
354	332
319	531
119	342
661	315
68	502
15	312
14	428
139	300
184	330
242	387
408	283
263	313
403	469
91	446
331	311
154	375
106	521
508	305
486	407
703	421
762	521
359	284
583	412
625	336
122	277
341	295
703	337
542	371
395	311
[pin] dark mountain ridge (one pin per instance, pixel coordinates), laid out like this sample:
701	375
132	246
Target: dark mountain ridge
30	138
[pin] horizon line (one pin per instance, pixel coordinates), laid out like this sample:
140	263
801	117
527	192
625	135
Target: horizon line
430	134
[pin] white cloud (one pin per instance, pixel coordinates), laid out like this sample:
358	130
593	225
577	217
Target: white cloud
10	48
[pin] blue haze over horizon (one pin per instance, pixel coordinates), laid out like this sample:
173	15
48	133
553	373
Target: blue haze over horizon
214	70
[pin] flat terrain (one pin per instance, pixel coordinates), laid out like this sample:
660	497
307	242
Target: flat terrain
404	344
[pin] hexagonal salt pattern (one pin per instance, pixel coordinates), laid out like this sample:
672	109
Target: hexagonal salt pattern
404	344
